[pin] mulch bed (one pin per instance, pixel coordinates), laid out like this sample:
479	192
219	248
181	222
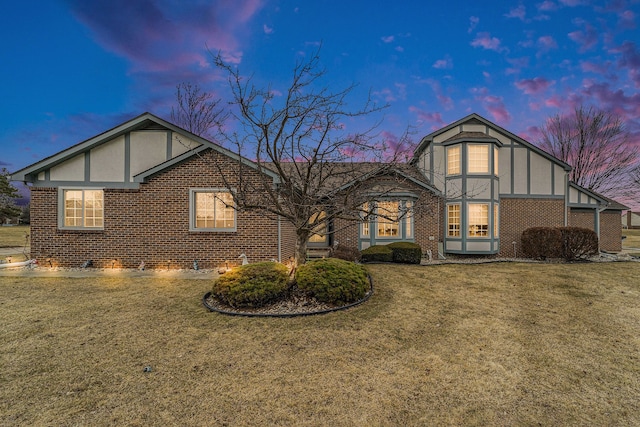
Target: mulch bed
296	304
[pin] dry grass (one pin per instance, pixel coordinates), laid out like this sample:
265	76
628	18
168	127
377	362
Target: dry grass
14	238
632	240
495	344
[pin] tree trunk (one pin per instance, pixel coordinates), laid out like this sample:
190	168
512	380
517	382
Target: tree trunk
300	255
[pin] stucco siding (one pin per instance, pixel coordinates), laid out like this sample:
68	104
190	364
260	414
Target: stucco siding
521	173
541	170
107	161
148	149
70	170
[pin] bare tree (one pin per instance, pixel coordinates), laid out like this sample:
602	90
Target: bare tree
197	111
595	144
300	136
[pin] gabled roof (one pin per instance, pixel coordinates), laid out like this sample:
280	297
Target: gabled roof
478	119
143	121
347	174
610	204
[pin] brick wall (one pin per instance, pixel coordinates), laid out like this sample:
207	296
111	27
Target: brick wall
610	227
610	231
583	218
151	224
516	215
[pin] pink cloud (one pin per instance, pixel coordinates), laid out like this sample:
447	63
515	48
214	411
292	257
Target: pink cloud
547	6
388	39
517	12
627	19
267	29
586	38
630	60
517	64
390	95
547	43
166	37
602	68
427	117
473	23
485	41
442	64
493	104
533	86
572	3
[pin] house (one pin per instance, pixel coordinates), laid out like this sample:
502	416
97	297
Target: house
631	220
146	191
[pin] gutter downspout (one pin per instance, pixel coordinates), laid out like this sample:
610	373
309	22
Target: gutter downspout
279	239
567	190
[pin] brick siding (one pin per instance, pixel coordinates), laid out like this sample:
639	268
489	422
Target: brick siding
151	224
610	231
518	214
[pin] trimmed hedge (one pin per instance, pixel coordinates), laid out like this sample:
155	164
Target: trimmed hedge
578	243
346	253
406	252
541	243
252	285
333	281
570	243
377	253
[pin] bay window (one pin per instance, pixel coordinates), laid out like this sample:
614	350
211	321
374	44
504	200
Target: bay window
453	220
453	160
387	219
478	219
478	158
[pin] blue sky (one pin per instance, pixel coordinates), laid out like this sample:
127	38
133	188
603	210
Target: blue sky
73	69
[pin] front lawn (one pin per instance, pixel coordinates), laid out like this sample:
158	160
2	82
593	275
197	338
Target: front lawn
493	344
632	239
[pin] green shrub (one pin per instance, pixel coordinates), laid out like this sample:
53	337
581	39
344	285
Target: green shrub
377	253
333	280
347	253
406	252
541	243
578	243
252	285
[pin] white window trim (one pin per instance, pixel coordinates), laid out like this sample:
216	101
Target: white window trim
192	211
61	208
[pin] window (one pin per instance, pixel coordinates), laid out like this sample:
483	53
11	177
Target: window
365	223
495	161
82	209
453	220
408	219
478	219
478	158
319	231
495	220
212	210
387	219
453	160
